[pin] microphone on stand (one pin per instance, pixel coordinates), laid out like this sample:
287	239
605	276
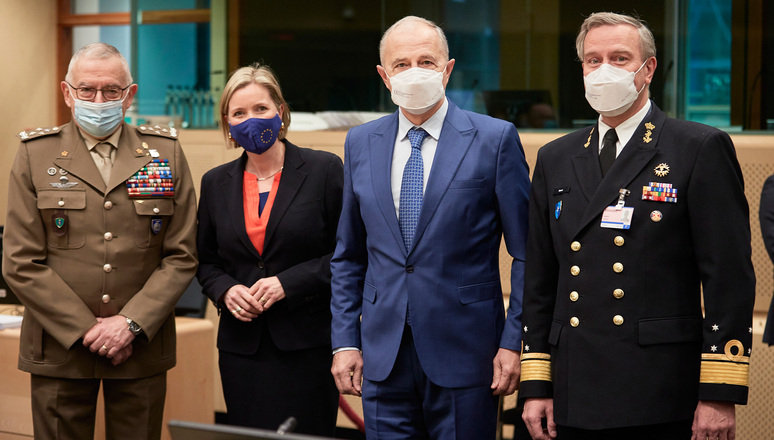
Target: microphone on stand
287	426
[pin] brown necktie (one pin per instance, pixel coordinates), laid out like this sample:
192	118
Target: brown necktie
607	155
104	163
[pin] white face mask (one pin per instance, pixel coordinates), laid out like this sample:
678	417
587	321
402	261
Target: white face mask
417	90
611	90
99	119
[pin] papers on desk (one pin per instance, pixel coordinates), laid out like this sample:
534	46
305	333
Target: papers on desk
331	120
10	321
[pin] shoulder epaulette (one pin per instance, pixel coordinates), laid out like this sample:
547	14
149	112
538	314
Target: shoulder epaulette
38	132
157	130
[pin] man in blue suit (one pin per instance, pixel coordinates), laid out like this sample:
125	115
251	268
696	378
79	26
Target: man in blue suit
429	192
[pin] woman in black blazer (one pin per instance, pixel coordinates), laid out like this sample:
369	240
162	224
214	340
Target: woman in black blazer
267	230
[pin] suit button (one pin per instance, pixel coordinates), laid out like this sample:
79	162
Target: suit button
575	246
618	320
156	210
618	293
574	296
108	236
619	241
575	270
108	204
409	269
618	268
106	298
261	265
107	268
574	321
61	203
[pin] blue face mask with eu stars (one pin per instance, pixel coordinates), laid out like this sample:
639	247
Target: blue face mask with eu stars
257	135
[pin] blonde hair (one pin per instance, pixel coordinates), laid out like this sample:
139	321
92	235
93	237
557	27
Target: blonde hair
647	42
253	74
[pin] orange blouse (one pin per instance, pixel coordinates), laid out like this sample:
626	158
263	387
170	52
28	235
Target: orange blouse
255	223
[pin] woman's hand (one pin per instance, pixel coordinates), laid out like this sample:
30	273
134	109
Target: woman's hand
266	292
241	303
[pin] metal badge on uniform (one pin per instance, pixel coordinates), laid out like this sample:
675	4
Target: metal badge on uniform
558	209
155	225
154	152
59	223
63	183
617	218
51	171
656	216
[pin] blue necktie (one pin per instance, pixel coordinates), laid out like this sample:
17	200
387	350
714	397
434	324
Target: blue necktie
411	188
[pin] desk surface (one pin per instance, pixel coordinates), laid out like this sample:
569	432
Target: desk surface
190	385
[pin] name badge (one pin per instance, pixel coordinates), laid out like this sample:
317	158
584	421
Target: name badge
617	218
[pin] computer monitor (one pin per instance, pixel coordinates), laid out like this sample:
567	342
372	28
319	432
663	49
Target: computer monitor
193	303
524	108
181	430
6	294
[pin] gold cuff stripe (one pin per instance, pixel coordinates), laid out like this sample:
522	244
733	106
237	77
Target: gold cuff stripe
536	369
723	357
725	373
528	356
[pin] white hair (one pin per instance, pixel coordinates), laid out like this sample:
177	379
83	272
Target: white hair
415	19
98	51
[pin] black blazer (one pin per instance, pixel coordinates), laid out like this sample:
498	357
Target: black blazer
627	345
300	239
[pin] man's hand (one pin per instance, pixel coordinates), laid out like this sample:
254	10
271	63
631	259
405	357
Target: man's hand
121	356
109	337
715	420
347	370
535	410
507	367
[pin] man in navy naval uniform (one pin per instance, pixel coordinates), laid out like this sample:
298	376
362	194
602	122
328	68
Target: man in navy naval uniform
631	220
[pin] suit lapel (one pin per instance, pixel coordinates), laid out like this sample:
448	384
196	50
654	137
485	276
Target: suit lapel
629	164
457	135
586	164
290	183
381	144
130	157
76	159
232	189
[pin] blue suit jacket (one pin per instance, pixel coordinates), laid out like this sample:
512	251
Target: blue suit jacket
449	282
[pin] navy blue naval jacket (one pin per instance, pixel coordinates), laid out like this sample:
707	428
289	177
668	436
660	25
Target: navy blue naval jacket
613	324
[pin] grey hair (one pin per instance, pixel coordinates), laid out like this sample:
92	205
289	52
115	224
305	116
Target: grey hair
647	42
98	51
415	19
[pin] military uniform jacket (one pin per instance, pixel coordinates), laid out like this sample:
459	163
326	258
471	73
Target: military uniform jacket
613	326
76	250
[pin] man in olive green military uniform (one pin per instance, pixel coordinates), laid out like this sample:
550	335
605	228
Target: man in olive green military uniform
99	245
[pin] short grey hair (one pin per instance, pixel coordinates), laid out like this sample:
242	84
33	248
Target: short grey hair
98	51
647	42
415	19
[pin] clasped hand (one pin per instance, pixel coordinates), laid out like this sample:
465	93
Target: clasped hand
111	338
247	303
